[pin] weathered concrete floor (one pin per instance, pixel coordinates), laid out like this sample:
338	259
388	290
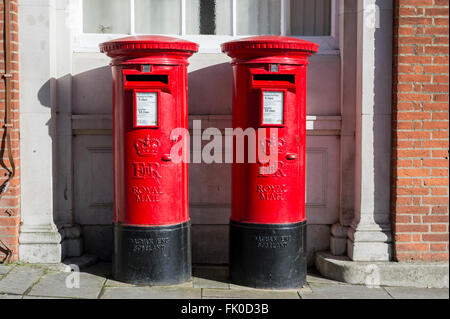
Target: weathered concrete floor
32	281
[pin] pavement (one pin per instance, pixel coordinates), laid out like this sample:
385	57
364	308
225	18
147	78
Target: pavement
31	281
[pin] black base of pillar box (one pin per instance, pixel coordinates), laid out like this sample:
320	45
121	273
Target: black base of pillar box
268	255
157	255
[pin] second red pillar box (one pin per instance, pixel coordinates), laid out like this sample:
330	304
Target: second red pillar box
268	226
151	217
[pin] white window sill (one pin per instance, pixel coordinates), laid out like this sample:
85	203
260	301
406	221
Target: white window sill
86	42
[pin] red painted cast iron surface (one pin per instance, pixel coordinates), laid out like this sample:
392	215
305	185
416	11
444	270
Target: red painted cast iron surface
270	63
149	188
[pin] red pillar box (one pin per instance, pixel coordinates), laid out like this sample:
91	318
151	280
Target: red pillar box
151	217
268	226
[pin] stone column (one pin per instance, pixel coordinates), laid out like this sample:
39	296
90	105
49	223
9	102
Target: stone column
347	47
39	240
369	235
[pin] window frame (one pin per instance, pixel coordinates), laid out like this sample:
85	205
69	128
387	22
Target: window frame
88	42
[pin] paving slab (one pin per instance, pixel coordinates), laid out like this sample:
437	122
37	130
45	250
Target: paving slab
20	279
52	266
326	291
306	289
54	285
4	269
100	269
41	297
115	283
313	277
417	293
150	293
2	296
249	294
207	283
187	284
239	287
215	273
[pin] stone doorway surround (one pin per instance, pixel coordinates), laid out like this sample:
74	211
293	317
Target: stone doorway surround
368	237
364	229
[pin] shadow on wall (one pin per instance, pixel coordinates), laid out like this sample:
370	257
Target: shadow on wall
92	91
87	92
209	90
82	154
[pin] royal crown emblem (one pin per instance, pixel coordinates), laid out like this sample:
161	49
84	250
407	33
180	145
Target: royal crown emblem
273	144
147	146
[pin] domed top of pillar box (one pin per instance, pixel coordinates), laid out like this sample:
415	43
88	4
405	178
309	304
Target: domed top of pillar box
270	49
160	49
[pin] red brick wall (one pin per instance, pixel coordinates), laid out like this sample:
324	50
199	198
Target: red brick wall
9	203
420	130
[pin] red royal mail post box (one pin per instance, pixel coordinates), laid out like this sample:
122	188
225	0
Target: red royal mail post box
268	226
151	217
